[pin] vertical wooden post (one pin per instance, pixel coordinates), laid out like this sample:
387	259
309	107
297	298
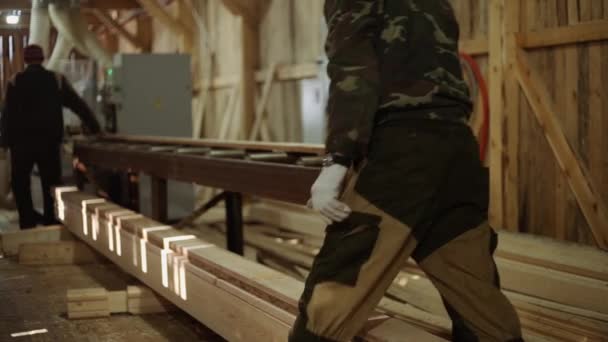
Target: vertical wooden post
18	52
144	32
250	61
3	76
565	201
495	36
6	61
512	11
159	199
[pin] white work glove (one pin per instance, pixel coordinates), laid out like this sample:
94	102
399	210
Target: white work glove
325	192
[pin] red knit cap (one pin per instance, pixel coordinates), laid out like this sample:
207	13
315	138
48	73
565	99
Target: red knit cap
33	54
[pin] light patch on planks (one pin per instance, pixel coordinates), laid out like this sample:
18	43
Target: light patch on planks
30	333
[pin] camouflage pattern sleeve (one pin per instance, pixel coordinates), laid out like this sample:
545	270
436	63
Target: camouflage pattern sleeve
419	63
354	73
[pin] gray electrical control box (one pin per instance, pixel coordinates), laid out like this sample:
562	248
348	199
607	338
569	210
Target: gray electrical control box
153	94
153	97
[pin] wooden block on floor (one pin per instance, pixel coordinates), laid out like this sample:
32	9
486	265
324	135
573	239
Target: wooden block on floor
117	301
142	300
11	241
88	303
58	253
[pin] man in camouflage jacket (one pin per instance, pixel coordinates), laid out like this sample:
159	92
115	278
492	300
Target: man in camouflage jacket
398	113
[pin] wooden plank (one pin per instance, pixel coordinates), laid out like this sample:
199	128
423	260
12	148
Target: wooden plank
547	307
569	102
12	240
513	15
18	53
556	255
580	33
573	13
282	315
286	72
539	99
224	173
276	46
249	64
57	253
303	221
117	301
162	16
598	109
247	145
553	285
87	303
475	47
82	295
496	214
438	325
560	320
261	105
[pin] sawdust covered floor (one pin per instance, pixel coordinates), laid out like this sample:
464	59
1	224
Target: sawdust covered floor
33	298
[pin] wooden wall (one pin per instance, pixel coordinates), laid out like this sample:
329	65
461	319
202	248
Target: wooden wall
289	35
532	183
531	192
576	77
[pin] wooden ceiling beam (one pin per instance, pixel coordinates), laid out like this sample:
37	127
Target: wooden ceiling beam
99	4
113	25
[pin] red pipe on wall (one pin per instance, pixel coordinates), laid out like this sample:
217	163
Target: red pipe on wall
483	133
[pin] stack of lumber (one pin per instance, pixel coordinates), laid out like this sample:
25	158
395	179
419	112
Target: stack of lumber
210	283
57	253
560	290
11	241
99	302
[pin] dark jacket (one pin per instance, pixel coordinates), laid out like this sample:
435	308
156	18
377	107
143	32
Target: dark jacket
33	108
393	59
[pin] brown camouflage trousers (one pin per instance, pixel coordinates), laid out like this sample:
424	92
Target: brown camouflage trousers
421	193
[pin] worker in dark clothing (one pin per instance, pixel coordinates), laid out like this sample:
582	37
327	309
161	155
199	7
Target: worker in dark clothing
398	112
31	126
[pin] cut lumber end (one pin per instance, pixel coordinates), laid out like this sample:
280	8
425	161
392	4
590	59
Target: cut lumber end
87	303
